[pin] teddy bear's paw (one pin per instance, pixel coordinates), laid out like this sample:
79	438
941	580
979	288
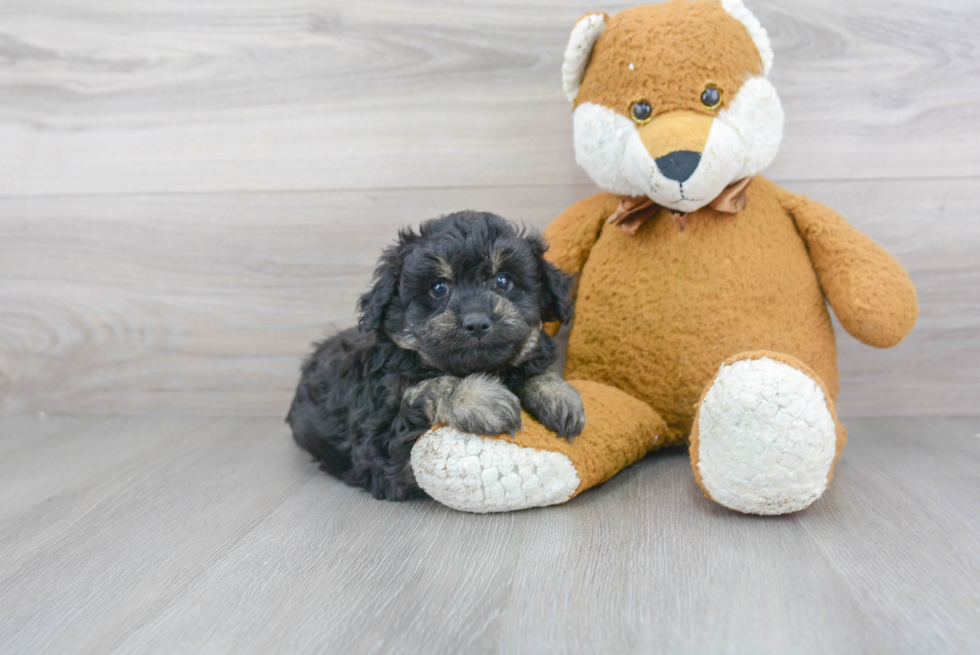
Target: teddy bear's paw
766	438
471	473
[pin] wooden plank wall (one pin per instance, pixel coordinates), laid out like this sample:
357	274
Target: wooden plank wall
193	191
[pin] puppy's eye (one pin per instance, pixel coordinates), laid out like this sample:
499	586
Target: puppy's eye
641	112
503	283
711	98
439	289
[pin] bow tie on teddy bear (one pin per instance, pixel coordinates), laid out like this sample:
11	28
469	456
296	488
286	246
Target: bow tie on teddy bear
632	213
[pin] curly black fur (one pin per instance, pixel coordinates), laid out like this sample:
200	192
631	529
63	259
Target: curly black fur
350	410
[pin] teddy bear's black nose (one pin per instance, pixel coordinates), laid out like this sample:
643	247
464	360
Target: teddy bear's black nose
680	165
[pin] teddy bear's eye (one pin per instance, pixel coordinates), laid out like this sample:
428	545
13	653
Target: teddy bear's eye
641	111
711	98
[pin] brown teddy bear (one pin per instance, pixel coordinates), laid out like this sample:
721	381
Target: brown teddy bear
701	313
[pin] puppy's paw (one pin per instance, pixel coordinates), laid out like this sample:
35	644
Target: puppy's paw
556	404
482	405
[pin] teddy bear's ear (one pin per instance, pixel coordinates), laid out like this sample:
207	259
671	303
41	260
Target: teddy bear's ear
586	32
738	10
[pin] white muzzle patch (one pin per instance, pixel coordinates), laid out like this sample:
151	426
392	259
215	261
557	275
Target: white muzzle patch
721	162
743	141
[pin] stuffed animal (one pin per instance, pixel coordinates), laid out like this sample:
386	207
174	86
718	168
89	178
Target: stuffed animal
701	313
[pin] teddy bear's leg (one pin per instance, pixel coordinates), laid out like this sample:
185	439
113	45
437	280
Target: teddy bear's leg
476	473
766	437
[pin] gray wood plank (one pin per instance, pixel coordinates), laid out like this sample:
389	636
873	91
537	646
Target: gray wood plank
42	497
133	534
206	303
905	534
228	540
354	575
655	566
20	432
202	95
195	304
626	569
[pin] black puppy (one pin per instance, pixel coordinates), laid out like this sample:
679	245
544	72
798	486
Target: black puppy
450	334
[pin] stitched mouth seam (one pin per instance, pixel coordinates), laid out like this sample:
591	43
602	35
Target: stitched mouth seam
683	197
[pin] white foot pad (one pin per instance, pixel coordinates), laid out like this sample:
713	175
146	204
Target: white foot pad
766	438
475	474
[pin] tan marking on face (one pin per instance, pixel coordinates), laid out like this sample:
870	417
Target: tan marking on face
405	340
444	324
444	270
497	259
676	131
528	348
505	311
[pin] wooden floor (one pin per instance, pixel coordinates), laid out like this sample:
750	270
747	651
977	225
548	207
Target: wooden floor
191	191
125	535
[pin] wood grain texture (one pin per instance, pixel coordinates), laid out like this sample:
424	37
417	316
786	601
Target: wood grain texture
199	304
207	303
111	532
225	539
192	192
203	95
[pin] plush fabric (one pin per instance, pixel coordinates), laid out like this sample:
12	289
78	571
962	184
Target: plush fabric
717	49
787	435
579	50
620	430
694	325
493	474
872	295
665	58
657	313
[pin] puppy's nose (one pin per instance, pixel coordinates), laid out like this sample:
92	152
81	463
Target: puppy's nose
476	325
680	165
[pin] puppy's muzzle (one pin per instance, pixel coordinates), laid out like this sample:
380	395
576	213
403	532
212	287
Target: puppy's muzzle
476	324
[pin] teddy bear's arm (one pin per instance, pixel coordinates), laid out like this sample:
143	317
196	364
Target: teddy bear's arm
571	236
871	293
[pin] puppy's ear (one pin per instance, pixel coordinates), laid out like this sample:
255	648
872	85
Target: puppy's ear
372	305
556	286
